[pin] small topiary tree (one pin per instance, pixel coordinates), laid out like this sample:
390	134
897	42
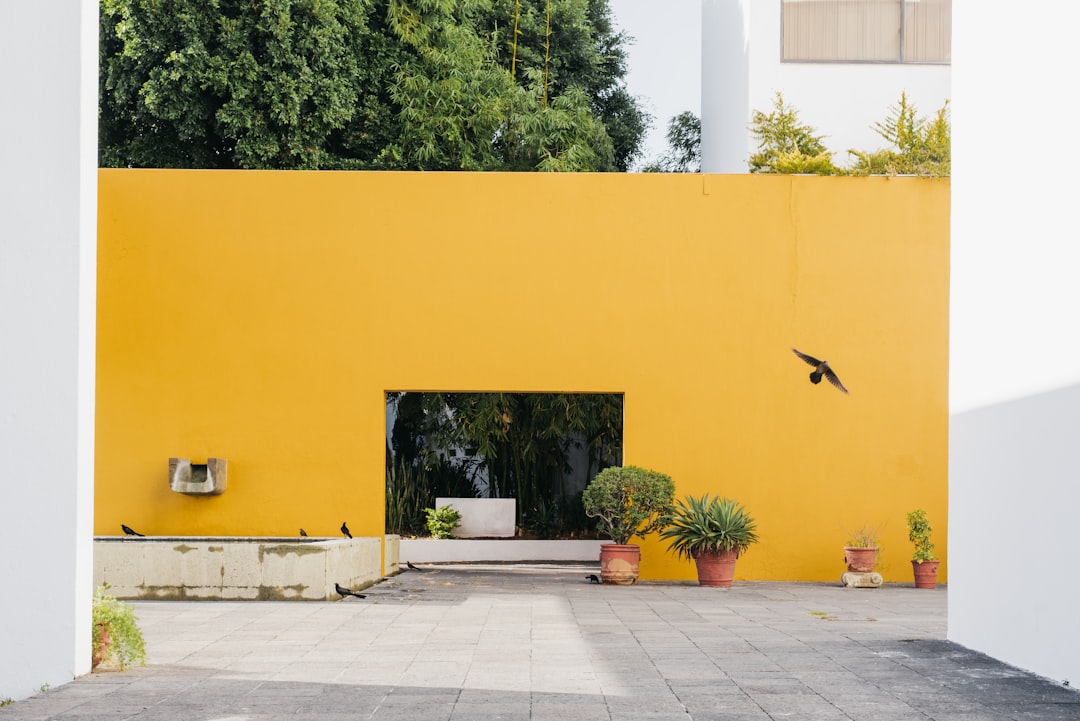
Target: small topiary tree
919	533
629	501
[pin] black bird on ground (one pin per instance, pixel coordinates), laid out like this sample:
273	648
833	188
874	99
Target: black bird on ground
821	369
128	531
412	567
345	529
303	532
593	578
342	591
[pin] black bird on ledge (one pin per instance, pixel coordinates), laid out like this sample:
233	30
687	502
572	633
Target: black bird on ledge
345	529
128	531
342	591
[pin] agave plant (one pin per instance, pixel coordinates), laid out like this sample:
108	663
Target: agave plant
709	525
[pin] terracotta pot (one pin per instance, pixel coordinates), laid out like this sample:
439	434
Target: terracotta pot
619	563
925	573
101	651
860	560
716	569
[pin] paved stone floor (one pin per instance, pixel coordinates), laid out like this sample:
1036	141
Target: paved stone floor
480	643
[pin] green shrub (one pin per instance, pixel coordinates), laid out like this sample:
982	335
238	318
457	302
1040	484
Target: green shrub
865	537
787	145
442	521
116	636
629	501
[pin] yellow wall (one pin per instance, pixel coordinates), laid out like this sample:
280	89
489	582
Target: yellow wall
260	316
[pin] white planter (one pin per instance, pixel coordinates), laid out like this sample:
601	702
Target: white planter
483	517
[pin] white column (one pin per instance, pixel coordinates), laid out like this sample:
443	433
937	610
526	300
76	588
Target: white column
725	85
48	215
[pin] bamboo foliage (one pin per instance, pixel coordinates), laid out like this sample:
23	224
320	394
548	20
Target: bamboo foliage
511	445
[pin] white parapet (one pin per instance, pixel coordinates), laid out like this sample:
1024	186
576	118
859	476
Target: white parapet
235	568
464	550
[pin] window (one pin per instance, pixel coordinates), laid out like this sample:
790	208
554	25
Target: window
881	31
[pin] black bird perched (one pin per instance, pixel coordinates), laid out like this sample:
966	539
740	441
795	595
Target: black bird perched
128	531
342	591
412	567
821	369
303	532
593	578
345	529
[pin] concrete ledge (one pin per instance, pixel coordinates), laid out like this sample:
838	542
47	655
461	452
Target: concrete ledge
235	568
391	554
462	550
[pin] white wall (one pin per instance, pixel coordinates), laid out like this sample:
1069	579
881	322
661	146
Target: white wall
1014	469
841	101
48	211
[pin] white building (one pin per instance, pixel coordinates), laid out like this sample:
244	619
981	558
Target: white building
841	63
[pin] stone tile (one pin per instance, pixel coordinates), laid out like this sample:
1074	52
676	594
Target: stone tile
482	643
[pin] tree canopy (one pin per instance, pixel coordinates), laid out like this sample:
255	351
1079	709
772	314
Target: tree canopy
684	146
366	84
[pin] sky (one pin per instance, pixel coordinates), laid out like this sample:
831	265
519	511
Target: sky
664	61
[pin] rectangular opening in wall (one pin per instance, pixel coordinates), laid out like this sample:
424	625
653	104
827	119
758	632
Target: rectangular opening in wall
540	449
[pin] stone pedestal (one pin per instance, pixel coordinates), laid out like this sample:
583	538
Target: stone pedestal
852	579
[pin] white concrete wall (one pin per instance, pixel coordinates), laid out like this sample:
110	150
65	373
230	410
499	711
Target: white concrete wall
841	101
48	210
465	550
1015	302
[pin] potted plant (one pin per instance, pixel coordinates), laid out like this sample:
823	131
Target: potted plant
116	634
712	531
923	561
627	501
861	551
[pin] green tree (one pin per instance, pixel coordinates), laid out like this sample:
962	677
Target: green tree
229	84
684	146
787	145
552	47
397	84
453	96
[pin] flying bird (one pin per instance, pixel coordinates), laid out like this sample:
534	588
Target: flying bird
342	591
345	529
303	532
128	531
821	369
593	578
